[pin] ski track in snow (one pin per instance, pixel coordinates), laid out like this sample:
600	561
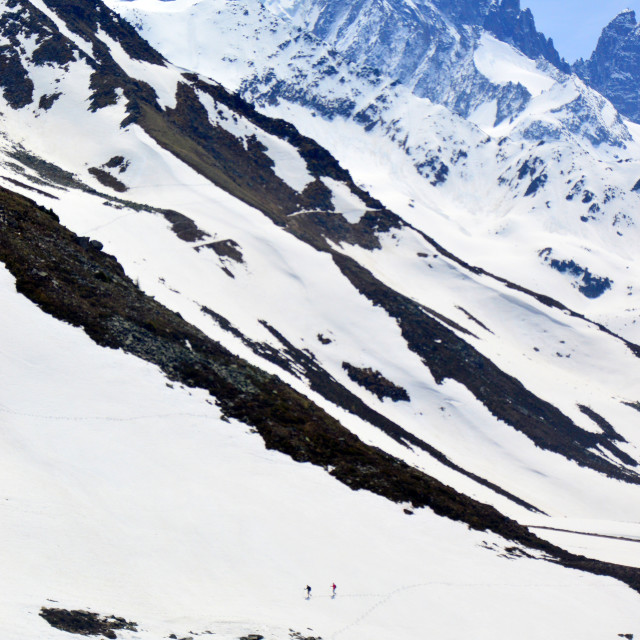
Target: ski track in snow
384	598
585	533
103	418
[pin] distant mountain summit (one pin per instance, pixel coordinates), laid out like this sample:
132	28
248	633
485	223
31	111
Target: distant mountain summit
614	67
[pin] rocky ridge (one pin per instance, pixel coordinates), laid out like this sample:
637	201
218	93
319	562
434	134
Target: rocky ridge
429	46
614	67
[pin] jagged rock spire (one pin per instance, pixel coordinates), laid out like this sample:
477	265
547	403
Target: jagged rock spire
614	67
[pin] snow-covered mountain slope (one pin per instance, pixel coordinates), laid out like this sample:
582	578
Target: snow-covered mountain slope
258	275
426	45
543	194
125	495
130	498
383	276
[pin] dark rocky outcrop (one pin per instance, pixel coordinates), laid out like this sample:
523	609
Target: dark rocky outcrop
375	382
506	21
226	249
107	180
17	85
590	285
509	23
86	17
47	101
86	623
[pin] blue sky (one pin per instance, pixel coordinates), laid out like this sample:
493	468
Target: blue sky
575	25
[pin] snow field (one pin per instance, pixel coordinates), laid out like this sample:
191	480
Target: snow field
154	509
502	64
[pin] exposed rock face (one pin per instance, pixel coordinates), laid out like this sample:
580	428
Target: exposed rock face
614	67
430	46
375	382
507	22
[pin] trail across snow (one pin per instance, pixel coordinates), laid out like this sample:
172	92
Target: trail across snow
383	599
109	418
